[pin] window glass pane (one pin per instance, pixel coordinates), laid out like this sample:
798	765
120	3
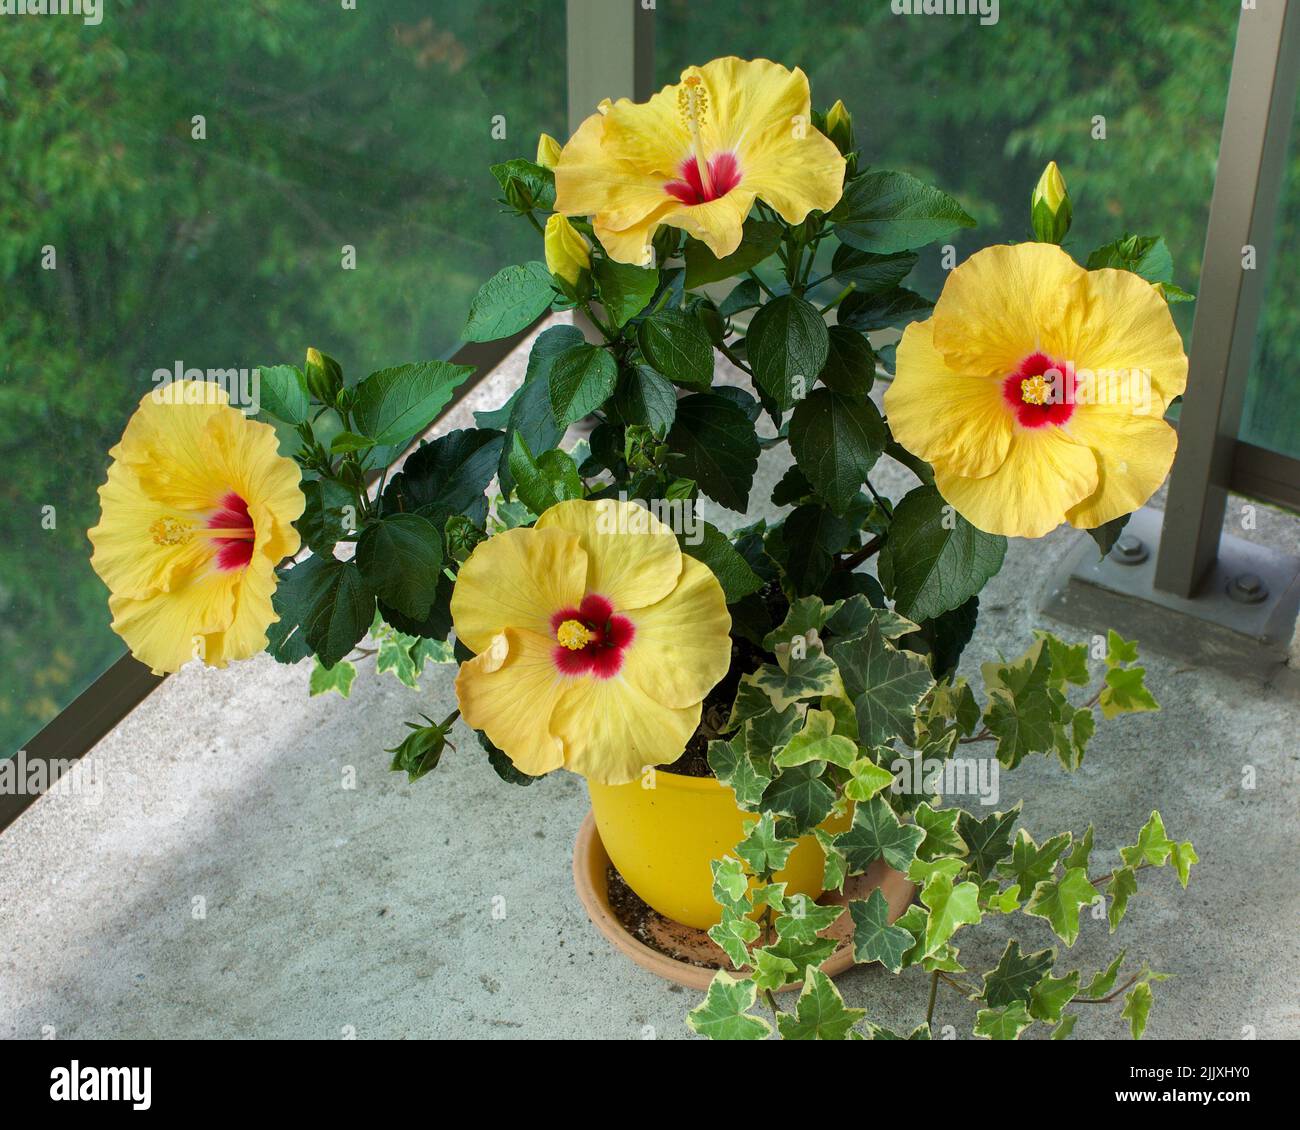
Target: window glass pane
1271	417
979	109
182	183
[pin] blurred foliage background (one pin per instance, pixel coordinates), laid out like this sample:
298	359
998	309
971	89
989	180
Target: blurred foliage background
372	128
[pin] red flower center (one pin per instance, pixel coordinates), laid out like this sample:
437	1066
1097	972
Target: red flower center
607	637
1041	391
235	531
724	175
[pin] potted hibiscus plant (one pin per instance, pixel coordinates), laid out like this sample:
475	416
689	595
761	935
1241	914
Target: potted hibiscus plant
764	716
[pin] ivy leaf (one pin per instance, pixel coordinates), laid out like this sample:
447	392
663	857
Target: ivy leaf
772	971
989	840
400	557
1137	1007
734	770
940	827
770	731
730	883
885	212
951	907
1126	693
867	780
1031	864
1020	713
876	833
804	954
874	939
1049	997
625	289
857	615
1059	901
734	934
676	344
1081	850
934	560
337	678
581	379
508	302
1101	984
820	1013
1123	884
807	614
1153	846
395	404
1016	975
805	920
1183	856
835	441
787	345
800	794
762	849
1003	1023
835	870
718	446
1069	660
817	741
331	601
884	683
998	901
809	676
724	1014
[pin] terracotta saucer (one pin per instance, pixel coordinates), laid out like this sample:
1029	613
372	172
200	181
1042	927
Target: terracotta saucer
695	956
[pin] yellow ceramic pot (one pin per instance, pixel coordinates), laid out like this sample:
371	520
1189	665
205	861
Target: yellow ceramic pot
663	838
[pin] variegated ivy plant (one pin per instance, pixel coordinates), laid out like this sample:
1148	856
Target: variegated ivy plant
848	715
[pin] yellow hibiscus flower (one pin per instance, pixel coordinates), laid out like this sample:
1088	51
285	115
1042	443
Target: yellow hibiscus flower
1037	390
197	510
696	155
596	639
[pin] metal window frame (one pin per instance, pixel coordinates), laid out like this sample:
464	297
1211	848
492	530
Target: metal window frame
85	721
1212	460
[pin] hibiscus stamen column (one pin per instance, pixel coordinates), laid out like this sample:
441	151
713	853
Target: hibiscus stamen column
694	101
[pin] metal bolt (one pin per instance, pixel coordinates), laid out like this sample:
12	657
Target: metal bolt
1248	588
1129	550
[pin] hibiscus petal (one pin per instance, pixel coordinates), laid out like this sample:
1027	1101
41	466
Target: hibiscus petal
1134	454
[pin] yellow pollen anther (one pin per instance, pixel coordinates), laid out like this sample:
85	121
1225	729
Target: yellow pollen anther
574	635
171	531
692	103
1035	390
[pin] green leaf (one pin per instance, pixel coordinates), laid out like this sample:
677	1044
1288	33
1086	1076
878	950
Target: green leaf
730	883
1059	901
868	779
1183	856
1020	713
858	614
762	849
811	676
400	557
835	441
989	840
676	344
850	368
787	346
345	443
940	826
1119	651
836	868
716	551
624	288
800	794
1102	983
511	300
330	511
581	380
536	180
734	934
644	397
887	212
760	239
724	1015
448	476
1081	851
1016	975
420	752
890	309
884	683
395	404
871	272
771	971
820	1013
731	765
1153	846
1123	884
1147	256
1031	864
546	481
768	732
718	446
282	393
951	907
1069	661
744	296
1003	1023
805	920
1107	534
1049	997
817	741
803	545
934	560
1137	1007
1126	693
332	603
876	833
874	939
337	678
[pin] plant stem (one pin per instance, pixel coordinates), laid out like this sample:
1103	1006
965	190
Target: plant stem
853	560
840	298
761	284
727	353
934	991
1106	999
